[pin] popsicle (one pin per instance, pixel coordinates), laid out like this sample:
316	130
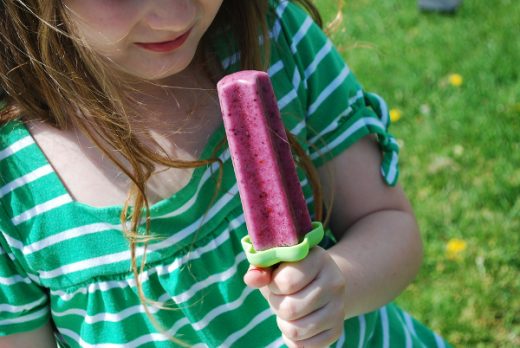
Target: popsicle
275	210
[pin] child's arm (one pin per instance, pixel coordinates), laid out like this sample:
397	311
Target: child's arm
41	338
378	253
380	249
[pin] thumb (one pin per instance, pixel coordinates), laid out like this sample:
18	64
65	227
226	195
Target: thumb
257	277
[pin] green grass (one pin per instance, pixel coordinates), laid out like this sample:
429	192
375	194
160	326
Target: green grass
460	160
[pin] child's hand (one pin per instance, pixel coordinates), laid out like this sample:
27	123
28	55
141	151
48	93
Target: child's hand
308	298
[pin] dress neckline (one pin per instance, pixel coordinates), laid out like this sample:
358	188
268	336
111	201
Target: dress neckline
163	206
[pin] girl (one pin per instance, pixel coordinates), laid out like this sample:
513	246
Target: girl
120	218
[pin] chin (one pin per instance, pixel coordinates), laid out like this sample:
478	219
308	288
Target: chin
157	73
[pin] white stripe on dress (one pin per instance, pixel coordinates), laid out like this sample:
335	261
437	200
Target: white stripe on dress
214	278
179	299
298	128
34	279
292	94
276	344
285	100
5	307
105	316
24	180
125	255
154	337
280	9
69	234
42	208
197	224
273	33
13	243
409	323
250	326
25	318
356	126
14	280
277	27
384	109
232	59
383	315
322	53
275	68
334	124
208	173
114	317
327	91
161	270
16	146
408	336
439	341
90	263
223	308
362	330
300	34
392	170
341	339
297	79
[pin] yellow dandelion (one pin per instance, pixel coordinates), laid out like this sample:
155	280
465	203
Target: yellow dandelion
455	248
455	80
395	115
458	150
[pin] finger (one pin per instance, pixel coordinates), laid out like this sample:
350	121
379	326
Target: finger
300	304
323	339
329	285
291	277
256	277
326	318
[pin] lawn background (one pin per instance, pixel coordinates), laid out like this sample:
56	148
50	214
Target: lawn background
460	157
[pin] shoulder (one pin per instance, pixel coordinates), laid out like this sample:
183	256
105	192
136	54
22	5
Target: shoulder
296	37
287	8
291	18
18	166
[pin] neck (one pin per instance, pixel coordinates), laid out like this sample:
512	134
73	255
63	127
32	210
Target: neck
177	112
176	96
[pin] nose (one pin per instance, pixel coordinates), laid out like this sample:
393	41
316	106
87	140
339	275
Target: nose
171	15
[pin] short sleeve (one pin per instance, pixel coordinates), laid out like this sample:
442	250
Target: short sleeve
23	303
338	111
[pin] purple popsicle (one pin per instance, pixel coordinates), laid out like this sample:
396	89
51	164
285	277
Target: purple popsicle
275	210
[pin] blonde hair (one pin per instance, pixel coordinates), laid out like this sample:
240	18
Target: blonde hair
43	67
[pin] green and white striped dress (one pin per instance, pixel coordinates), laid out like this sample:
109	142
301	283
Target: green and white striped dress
69	261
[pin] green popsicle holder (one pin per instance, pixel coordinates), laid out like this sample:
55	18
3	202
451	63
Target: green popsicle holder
269	257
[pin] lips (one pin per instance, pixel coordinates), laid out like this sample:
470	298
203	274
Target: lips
165	46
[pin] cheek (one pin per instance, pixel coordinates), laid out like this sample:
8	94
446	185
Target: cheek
212	6
210	9
103	23
104	37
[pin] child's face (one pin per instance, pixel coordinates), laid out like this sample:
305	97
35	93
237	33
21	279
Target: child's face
150	39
